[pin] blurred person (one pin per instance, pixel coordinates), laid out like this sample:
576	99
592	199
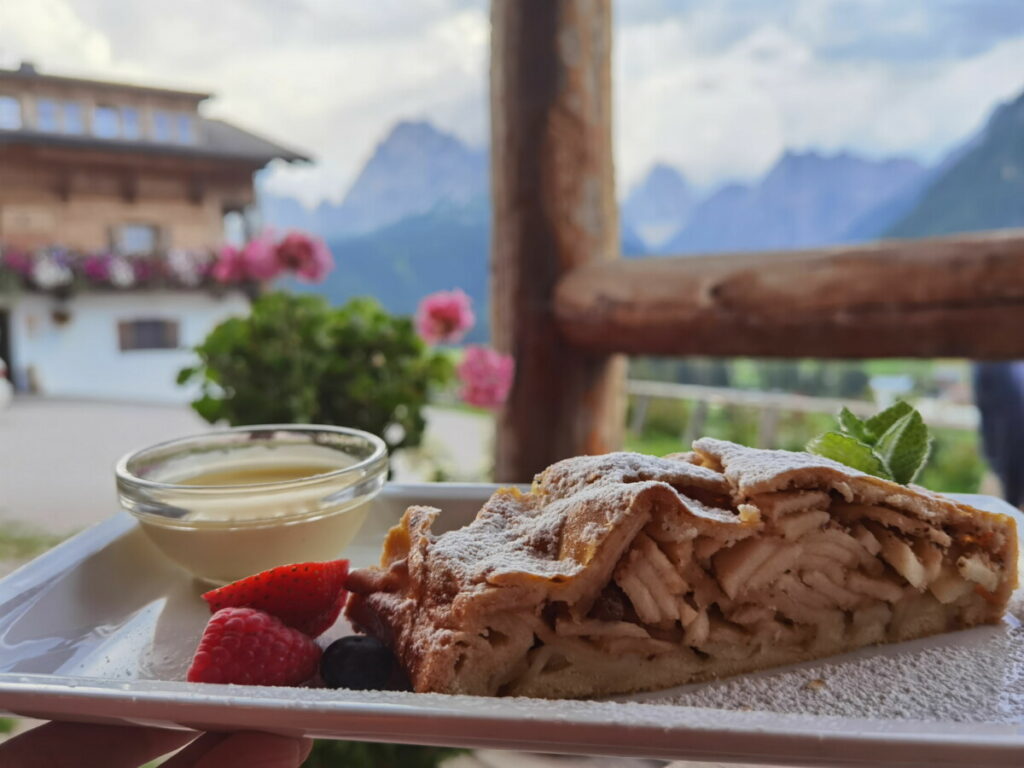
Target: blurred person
6	388
999	394
81	745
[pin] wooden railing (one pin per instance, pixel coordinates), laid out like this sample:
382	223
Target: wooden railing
770	406
567	308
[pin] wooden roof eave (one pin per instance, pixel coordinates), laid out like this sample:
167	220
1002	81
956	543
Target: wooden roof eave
135	154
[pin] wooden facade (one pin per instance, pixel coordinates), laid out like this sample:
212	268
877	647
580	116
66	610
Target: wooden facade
80	160
567	307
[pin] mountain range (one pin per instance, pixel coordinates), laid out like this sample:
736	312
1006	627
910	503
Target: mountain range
417	217
414	168
981	185
659	206
805	199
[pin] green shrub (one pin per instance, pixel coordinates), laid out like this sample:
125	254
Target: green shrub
296	359
955	466
664	416
359	754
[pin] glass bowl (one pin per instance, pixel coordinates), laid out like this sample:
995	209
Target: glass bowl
233	502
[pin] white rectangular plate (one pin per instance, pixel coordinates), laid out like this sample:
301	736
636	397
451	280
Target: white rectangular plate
101	629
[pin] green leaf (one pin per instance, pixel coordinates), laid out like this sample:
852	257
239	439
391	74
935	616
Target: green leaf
880	422
854	426
849	451
208	408
185	374
297	358
905	446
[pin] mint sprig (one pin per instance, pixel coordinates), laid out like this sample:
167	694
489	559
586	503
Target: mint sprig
849	451
893	444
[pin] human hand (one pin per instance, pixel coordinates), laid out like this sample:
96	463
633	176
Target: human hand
80	745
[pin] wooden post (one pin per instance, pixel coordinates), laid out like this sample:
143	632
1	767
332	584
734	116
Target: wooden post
695	422
636	424
768	427
553	191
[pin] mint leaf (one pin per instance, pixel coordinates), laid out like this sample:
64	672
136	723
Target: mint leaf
853	426
904	447
849	451
880	422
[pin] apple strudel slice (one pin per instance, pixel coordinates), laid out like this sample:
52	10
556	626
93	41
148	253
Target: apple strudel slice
625	572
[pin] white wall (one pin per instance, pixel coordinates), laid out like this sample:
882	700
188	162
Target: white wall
82	358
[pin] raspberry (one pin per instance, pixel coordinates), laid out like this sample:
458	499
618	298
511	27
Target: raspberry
306	596
250	647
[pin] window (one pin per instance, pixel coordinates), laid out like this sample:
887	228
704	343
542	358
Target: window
10	113
106	122
73	122
147	334
130	127
163	126
234	228
186	132
132	239
47	116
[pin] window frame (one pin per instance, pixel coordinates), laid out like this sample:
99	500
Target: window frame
184	128
100	114
11	105
149	334
72	117
43	105
163	126
135	132
117	238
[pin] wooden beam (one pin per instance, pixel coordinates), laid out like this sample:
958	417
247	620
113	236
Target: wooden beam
129	182
957	296
196	188
554	209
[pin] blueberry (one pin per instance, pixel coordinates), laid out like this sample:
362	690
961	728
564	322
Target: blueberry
361	663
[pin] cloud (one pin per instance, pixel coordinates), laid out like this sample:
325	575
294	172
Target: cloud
918	30
325	77
717	87
50	31
728	113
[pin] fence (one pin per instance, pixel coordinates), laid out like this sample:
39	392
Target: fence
568	308
771	405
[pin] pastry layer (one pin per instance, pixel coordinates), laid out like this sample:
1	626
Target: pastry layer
624	572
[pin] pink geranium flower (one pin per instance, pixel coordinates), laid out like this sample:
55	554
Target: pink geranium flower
306	256
260	258
444	317
486	377
18	261
229	266
96	267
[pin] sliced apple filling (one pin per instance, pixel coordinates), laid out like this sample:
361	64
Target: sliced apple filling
622	572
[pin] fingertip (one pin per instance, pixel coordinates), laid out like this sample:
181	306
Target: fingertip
256	750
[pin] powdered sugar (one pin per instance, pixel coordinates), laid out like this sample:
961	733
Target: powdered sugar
976	675
576	504
512	533
752	468
572	475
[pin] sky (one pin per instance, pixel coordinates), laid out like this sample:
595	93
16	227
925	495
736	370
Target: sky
717	88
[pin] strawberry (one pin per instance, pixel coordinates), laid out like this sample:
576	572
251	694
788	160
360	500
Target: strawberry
250	647
306	596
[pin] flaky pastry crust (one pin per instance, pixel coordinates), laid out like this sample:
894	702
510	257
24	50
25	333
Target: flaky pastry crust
625	572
